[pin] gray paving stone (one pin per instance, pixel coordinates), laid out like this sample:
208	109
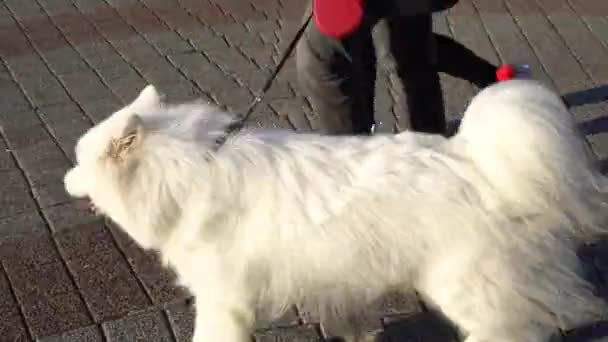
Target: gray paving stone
23	9
50	315
51	194
599	143
12	326
26	65
193	65
16	120
159	281
14	196
6	159
43	162
160	72
556	58
43	89
209	41
19	137
586	48
13	99
232	62
295	110
50	304
88	6
266	30
27	223
101	273
169	43
260	54
100	109
264	116
468	29
66	123
181	317
85	86
56	7
206	11
89	334
182	91
99	54
175	17
240	11
148	327
238	34
42	33
139	16
136	50
117	70
598	25
67	112
54	280
64	60
74	26
126	88
70	215
110	25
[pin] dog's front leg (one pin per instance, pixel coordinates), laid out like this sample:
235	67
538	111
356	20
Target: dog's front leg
221	321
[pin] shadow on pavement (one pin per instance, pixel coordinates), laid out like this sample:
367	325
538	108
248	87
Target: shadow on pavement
426	326
588	96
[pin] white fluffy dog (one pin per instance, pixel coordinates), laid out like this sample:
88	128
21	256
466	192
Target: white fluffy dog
484	225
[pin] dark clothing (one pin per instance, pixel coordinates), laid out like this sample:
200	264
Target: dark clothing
339	75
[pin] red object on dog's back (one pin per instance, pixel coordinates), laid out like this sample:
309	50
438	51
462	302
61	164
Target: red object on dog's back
337	18
505	72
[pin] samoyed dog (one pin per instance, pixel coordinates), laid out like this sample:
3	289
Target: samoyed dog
484	225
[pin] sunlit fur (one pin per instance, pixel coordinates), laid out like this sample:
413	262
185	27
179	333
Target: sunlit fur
484	225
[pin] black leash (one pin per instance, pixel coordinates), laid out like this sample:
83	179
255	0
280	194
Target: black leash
239	124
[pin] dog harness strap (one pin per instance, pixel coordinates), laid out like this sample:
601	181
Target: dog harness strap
337	18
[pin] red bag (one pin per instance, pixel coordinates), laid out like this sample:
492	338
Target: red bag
337	18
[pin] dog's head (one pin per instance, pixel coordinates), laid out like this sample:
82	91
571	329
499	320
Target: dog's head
136	165
106	151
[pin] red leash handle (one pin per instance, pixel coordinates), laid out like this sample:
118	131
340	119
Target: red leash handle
337	18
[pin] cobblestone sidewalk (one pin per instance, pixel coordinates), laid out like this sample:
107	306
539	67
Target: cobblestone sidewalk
66	64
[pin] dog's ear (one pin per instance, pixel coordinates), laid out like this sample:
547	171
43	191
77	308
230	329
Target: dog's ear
147	98
131	135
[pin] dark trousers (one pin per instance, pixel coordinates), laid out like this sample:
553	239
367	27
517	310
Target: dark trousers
339	75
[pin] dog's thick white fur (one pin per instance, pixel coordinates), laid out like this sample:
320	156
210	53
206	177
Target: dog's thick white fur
485	225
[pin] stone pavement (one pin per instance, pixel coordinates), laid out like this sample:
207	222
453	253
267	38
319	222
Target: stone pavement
66	64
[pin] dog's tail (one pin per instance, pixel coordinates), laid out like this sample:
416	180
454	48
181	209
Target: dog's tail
523	139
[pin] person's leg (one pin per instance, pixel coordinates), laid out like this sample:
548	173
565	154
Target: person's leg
412	45
334	74
456	60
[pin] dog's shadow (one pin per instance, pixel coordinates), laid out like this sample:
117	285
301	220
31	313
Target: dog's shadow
432	326
425	326
587	96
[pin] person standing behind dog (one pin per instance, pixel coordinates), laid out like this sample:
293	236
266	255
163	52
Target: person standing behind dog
336	62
